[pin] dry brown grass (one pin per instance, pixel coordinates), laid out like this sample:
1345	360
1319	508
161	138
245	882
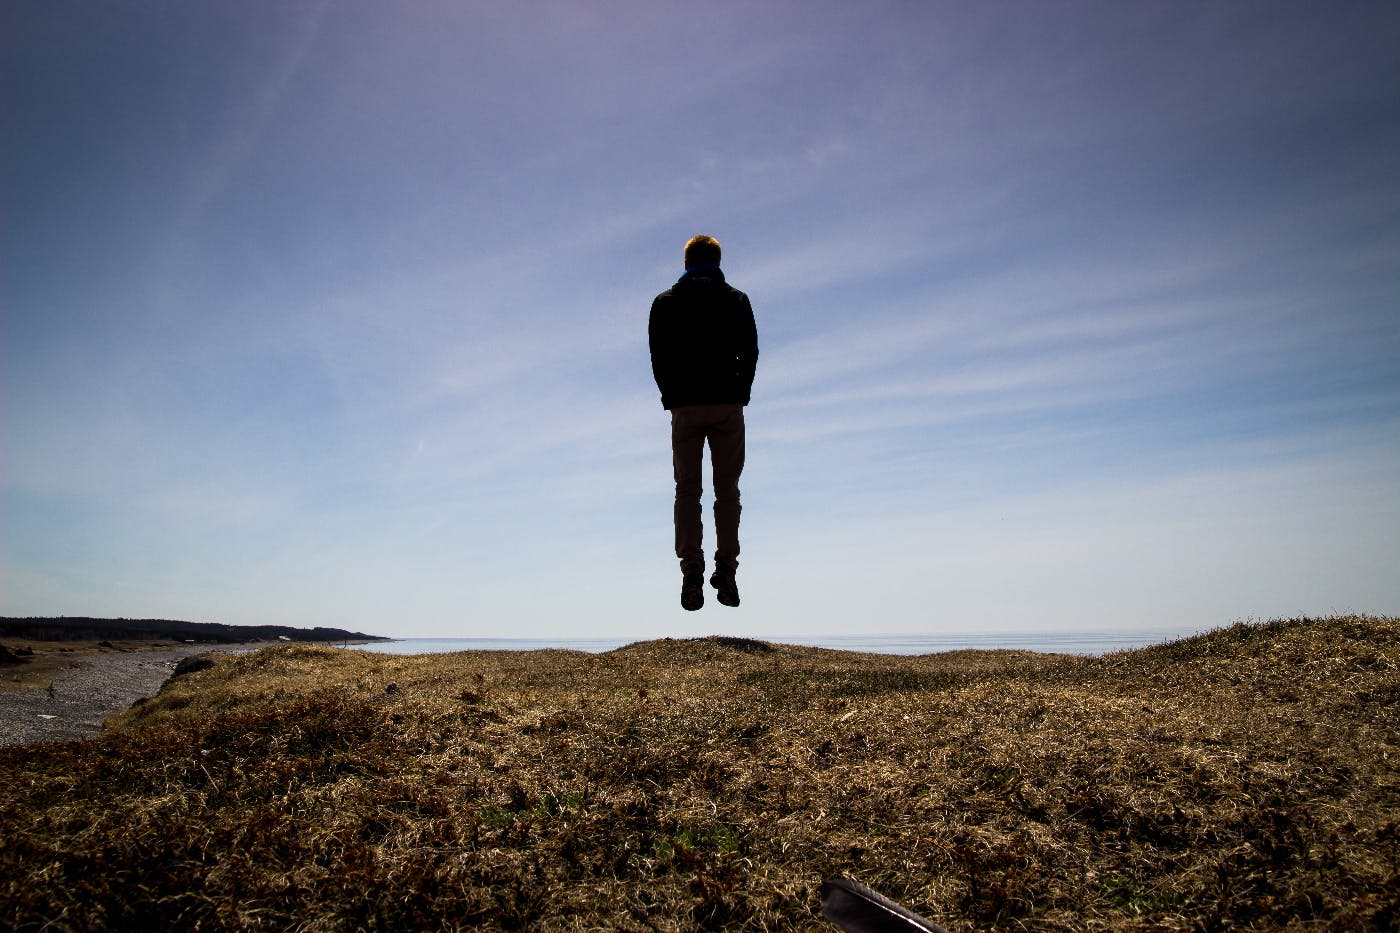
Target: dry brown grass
1244	779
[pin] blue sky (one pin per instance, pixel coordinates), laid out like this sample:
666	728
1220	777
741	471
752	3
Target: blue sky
1072	315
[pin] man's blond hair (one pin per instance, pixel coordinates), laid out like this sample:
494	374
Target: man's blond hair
701	251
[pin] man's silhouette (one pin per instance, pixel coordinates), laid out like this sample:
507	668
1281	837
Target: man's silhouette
704	347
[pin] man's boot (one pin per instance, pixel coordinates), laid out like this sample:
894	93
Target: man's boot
726	590
693	591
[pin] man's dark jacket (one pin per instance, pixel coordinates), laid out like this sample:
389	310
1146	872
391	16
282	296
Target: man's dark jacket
704	343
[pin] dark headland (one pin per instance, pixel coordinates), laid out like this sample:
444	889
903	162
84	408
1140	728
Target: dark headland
81	628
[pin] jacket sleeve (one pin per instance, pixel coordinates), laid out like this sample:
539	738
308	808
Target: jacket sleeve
748	356
658	343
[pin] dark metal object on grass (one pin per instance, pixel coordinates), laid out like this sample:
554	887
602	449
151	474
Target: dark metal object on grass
857	909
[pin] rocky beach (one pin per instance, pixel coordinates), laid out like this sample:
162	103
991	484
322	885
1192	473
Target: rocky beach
79	684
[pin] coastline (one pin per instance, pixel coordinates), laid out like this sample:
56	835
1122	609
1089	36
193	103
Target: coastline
1086	643
72	688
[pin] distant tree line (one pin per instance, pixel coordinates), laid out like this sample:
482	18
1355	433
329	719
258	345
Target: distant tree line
75	628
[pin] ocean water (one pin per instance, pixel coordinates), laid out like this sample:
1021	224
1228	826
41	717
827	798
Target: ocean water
1085	643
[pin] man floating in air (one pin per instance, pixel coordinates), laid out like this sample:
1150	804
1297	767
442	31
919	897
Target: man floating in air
704	348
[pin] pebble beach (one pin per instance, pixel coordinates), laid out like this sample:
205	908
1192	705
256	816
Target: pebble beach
91	684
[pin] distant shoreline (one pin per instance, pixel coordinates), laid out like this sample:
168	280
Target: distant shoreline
87	628
1086	643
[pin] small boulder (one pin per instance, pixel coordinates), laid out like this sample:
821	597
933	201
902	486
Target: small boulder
191	664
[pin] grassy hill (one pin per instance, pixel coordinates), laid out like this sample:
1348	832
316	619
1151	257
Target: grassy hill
1248	778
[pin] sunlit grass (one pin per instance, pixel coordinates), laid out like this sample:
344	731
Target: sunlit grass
1246	778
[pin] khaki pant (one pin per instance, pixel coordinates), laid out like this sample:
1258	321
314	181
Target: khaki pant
723	427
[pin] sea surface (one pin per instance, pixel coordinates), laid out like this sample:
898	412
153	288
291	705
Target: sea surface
1085	643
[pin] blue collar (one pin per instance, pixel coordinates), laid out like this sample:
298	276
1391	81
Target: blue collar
702	270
